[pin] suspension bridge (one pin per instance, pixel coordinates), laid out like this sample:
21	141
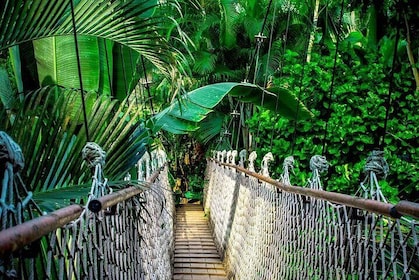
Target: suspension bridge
249	226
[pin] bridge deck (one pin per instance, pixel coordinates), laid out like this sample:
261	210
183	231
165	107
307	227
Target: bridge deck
196	256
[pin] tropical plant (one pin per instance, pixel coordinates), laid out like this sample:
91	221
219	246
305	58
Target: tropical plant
350	122
50	132
187	114
127	22
112	37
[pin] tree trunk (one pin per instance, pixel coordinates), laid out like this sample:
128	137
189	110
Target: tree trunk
410	54
313	31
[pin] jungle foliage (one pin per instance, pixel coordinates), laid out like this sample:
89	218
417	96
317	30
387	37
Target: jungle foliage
140	58
42	87
371	104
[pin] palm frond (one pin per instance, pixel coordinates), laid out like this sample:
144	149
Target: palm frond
127	22
222	73
49	128
54	199
228	16
204	62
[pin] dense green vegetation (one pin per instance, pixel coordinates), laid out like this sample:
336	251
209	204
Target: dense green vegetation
371	84
368	89
353	64
355	117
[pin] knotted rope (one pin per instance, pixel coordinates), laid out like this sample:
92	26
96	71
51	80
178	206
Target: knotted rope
319	163
95	157
93	154
265	164
288	164
10	152
11	160
377	163
11	211
252	157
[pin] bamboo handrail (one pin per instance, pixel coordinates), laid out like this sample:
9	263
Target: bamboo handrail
390	210
112	199
17	237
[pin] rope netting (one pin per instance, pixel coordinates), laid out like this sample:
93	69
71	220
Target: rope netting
131	239
265	232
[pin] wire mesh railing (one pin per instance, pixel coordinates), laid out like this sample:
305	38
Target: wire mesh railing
125	234
268	229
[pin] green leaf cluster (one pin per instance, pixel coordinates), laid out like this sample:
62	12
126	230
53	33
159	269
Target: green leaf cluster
349	120
49	127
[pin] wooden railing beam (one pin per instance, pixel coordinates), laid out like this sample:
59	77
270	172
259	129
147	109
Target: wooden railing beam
394	211
17	237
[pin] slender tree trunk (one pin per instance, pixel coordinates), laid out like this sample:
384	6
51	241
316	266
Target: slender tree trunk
313	31
245	114
410	54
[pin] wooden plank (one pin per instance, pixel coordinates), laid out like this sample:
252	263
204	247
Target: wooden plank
196	256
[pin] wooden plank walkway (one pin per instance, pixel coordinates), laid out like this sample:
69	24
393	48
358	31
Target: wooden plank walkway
196	257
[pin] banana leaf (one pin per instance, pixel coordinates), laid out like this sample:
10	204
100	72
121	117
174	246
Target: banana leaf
7	97
131	23
210	127
185	114
16	62
106	68
24	67
126	74
57	63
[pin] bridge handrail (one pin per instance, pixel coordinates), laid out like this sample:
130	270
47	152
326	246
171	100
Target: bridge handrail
15	238
406	208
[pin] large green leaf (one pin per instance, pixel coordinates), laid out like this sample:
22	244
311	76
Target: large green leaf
210	127
126	74
16	62
277	99
173	124
57	63
6	92
194	106
127	22
106	68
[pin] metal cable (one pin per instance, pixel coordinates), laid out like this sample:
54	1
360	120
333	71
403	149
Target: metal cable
147	86
390	85
328	110
83	102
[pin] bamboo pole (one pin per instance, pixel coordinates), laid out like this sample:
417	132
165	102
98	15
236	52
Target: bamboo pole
16	237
